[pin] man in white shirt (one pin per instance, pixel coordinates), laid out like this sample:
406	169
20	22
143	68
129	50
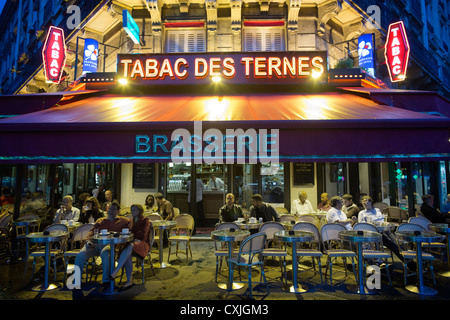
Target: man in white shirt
335	215
67	211
302	205
215	183
369	214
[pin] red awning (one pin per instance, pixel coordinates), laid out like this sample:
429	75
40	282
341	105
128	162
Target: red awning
312	127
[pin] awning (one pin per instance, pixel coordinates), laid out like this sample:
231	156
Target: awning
312	127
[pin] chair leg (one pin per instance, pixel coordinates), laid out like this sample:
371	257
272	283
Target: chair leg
249	277
320	269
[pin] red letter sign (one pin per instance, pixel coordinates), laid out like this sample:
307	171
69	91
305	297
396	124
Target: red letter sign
54	55
397	51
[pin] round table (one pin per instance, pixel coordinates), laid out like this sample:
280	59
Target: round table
287	225
294	237
418	238
249	225
229	235
40	237
386	226
360	236
112	239
162	225
26	223
444	229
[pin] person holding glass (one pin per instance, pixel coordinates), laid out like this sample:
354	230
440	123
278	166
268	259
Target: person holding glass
67	211
140	228
91	211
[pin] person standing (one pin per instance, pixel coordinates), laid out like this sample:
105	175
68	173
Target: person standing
215	183
67	211
199	187
259	209
302	205
230	212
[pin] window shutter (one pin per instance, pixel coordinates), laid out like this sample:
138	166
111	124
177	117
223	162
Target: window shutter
264	39
185	41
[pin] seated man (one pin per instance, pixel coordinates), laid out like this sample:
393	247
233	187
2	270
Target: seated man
67	211
430	212
302	205
335	215
112	223
349	208
259	209
230	212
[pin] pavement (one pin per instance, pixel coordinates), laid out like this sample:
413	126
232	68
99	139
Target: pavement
191	284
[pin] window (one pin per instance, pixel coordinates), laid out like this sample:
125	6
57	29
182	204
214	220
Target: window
183	40
264	39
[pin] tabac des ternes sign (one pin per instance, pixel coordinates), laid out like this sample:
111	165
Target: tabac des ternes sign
397	51
54	55
237	68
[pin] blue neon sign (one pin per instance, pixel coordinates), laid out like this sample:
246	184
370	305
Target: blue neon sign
130	26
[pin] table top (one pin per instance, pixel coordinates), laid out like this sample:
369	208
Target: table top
385	226
440	227
421	236
228	235
293	236
112	239
248	225
52	236
164	224
359	235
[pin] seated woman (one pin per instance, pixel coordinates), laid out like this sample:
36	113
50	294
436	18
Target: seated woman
140	228
91	211
150	204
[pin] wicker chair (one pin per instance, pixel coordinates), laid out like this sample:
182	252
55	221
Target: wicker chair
76	244
182	233
274	249
288	218
408	253
314	250
396	214
5	227
250	255
333	248
309	218
221	247
440	247
375	251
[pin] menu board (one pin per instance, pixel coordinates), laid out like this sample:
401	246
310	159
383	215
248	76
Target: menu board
303	173
143	175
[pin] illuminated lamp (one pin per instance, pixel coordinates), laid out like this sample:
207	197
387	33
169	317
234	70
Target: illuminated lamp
123	81
54	55
216	79
397	51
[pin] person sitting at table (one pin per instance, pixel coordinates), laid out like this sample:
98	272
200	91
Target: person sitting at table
335	215
215	183
108	200
324	204
259	209
111	222
91	211
67	211
166	212
302	205
349	208
372	215
150	204
230	212
430	212
140	228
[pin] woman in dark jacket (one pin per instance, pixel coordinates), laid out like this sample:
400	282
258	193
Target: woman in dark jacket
91	211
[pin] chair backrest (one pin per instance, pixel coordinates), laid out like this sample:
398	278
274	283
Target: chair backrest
176	212
329	233
288	218
5	220
252	247
309	218
410	227
281	210
365	226
421	221
185	221
154	217
227	225
57	227
28	216
269	228
309	227
380	205
396	213
81	233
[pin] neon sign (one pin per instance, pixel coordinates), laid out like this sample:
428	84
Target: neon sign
261	67
397	51
54	55
130	26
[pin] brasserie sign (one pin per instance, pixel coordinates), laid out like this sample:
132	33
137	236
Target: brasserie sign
239	68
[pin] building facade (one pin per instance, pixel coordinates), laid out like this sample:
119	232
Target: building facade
222	26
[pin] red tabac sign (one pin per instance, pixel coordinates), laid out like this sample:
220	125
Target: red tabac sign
54	55
397	51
